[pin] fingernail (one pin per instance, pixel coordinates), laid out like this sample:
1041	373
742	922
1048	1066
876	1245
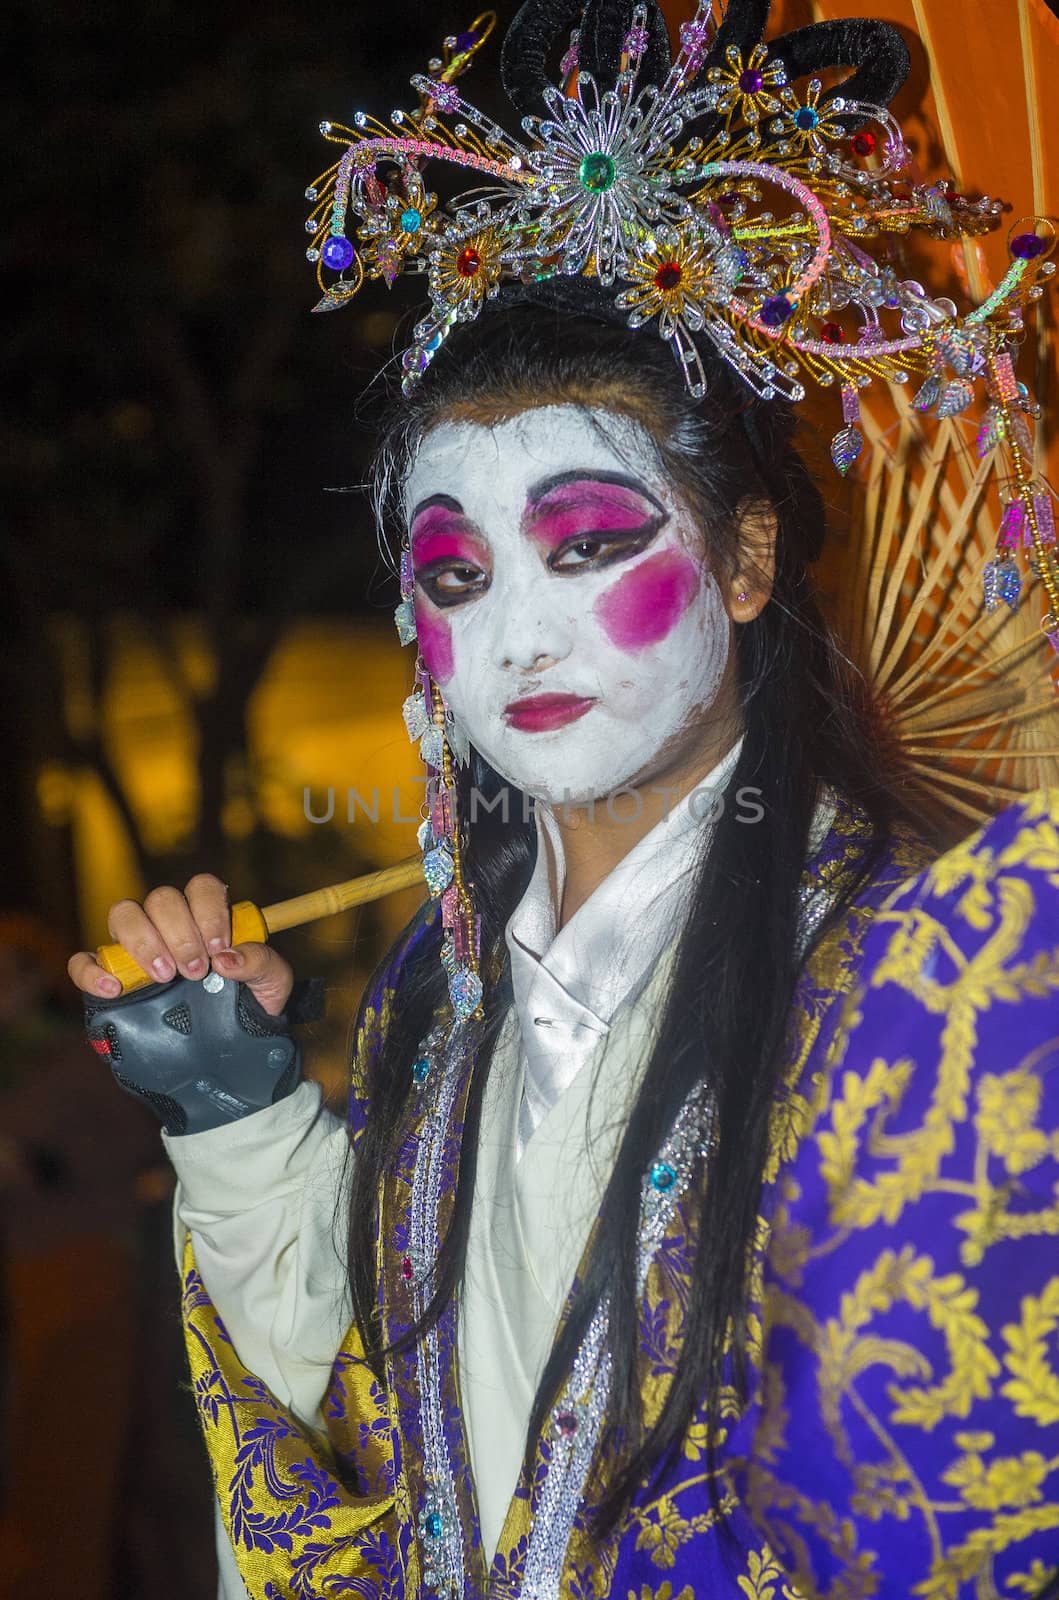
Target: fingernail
230	958
109	986
196	967
162	967
216	944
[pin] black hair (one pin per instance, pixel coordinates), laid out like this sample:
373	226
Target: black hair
808	722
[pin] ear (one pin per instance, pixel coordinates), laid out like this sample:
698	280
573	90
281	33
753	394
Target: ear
749	586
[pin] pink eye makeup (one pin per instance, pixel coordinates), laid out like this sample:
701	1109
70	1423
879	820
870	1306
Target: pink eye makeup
448	559
592	520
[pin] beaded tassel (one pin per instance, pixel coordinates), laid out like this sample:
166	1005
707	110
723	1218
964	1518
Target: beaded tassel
847	444
1011	526
1042	505
405	616
430	724
461	942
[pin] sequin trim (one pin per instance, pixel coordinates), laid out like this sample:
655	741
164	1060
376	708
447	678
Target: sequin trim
438	1523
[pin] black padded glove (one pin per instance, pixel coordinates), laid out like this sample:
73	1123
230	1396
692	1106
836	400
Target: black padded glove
201	1053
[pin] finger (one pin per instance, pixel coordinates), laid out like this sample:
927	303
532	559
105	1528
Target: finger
172	917
207	897
133	929
86	972
262	969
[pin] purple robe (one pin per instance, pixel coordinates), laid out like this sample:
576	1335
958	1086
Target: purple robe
902	1431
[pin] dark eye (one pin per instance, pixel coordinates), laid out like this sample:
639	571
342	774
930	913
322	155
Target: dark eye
574	555
600	548
448	585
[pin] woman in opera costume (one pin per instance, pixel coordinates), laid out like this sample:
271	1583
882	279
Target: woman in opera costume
694	1229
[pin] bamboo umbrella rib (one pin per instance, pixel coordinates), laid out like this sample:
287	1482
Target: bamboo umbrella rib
942	559
883	611
886	588
940	775
948	136
1029	75
927	778
1003	719
988	626
998	665
967	695
877	520
978	755
929	665
979	815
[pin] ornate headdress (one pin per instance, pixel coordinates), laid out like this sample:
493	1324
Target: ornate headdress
724	195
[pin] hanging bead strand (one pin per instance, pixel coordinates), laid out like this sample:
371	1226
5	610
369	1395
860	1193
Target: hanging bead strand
465	983
1047	566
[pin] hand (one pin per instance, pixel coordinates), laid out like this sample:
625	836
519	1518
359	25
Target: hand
186	933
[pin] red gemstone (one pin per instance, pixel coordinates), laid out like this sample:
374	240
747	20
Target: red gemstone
406	1270
468	262
668	275
863	143
832	333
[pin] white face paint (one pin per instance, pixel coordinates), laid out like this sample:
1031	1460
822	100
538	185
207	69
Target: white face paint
562	599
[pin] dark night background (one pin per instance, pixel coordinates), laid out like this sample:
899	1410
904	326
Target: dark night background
177	415
176	422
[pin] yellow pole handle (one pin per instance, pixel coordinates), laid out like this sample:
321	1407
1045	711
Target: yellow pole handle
253	926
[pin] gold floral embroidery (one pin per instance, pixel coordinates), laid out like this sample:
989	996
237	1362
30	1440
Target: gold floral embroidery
1033	1581
663	1593
764	1580
1034	1386
1008	1107
1007	1481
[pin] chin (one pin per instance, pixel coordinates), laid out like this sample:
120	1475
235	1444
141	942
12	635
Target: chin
584	793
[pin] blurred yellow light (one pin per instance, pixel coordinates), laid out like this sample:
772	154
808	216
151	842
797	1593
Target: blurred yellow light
56	794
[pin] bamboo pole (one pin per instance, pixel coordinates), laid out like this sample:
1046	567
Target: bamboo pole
253	925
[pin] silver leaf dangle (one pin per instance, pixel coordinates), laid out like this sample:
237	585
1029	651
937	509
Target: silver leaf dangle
432	747
846	447
955	397
416	716
928	396
438	869
405	619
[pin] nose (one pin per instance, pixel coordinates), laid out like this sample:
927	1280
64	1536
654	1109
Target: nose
532	642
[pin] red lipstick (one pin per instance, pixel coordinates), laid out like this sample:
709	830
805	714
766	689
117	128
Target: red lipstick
542	712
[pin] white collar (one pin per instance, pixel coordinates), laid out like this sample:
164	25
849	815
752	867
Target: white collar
569	983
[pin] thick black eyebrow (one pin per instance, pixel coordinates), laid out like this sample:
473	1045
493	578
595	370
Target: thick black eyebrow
556	480
445	500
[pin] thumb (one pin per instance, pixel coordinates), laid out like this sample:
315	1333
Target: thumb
264	971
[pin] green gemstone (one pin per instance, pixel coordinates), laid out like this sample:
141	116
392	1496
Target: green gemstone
597	172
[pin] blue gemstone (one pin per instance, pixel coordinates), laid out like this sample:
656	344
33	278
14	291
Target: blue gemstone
337	253
775	311
411	220
464	41
433	1525
806	118
421	1069
1028	246
663	1176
